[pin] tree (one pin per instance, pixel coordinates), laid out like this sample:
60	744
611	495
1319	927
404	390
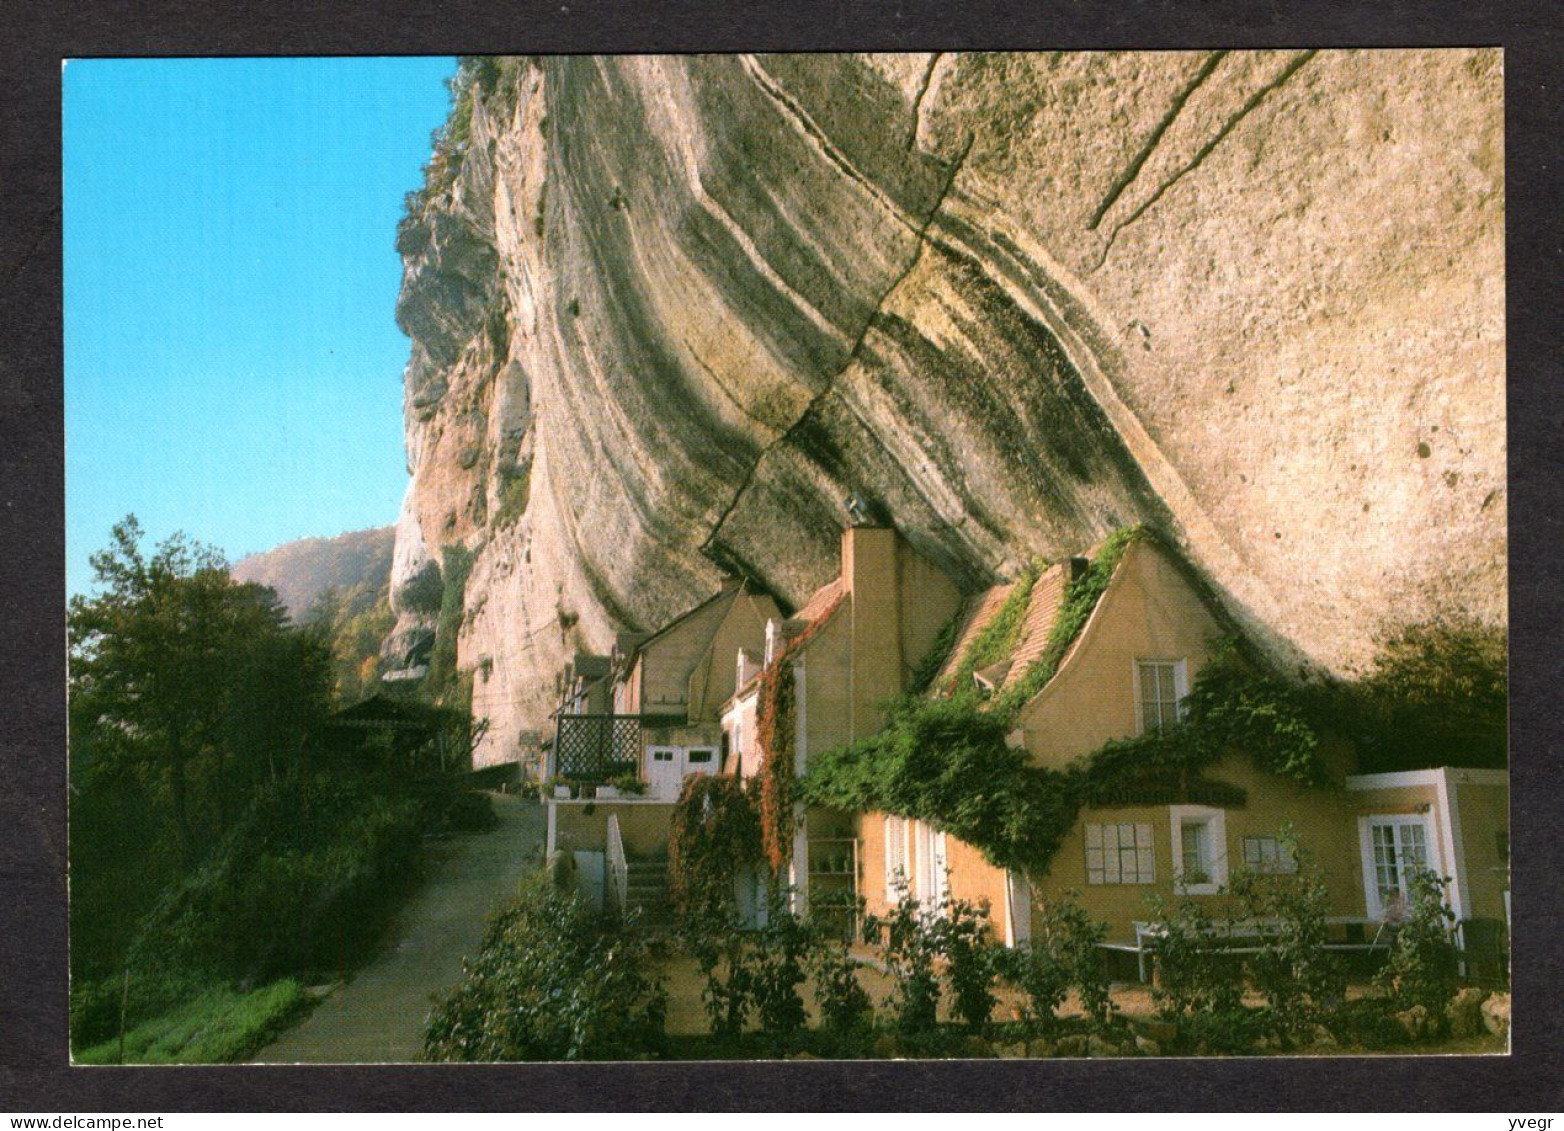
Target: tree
186	677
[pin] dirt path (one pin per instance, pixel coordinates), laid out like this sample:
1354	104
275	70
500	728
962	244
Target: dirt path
379	1015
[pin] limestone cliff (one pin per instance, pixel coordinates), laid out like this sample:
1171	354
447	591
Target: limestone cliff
668	311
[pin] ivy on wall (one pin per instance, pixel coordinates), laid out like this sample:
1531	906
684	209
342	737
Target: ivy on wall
714	835
776	732
947	761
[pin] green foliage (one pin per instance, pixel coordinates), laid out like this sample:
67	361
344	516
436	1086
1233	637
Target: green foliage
844	1005
727	991
781	956
1300	980
301	884
355	622
188	693
714	836
946	762
963	936
442	685
515	492
1234	705
1062	954
1437	696
219	1026
1074	940
1422	965
998	637
1192	976
909	949
553	981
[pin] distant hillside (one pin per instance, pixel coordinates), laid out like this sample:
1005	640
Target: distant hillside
357	563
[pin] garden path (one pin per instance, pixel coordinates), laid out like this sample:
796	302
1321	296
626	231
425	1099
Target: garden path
378	1016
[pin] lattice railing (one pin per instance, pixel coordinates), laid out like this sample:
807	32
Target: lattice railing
594	748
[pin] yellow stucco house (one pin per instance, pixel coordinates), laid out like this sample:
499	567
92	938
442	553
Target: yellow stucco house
1127	671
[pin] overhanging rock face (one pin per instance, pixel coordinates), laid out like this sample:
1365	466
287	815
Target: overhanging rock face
669	312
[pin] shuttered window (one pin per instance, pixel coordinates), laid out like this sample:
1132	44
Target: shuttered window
896	873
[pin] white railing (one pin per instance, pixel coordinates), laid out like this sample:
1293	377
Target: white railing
618	866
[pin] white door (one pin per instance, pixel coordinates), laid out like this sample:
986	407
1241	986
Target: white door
1393	848
699	760
664	772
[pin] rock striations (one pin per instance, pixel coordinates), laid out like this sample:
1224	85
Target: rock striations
667	312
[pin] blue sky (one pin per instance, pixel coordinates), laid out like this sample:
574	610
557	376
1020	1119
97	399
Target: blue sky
232	361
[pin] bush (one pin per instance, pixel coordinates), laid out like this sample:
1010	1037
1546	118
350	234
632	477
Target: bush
714	836
909	949
1192	976
780	959
1300	980
301	884
963	936
1072	938
1422	965
553	981
845	1009
729	987
218	1026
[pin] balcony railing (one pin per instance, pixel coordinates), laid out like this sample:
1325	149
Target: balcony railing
594	748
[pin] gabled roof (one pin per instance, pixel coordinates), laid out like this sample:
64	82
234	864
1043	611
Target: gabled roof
821	602
980	610
639	643
1042	611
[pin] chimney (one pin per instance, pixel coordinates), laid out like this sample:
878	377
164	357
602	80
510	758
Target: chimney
870	579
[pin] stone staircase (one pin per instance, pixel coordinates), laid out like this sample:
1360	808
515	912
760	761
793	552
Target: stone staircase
647	890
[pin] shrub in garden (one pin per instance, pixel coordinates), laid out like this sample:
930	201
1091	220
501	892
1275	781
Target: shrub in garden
1300	980
1073	937
728	973
1033	968
1196	985
963	937
844	1005
554	981
780	961
909	949
1422	965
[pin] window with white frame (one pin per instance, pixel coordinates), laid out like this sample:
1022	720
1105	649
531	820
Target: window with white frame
896	877
1159	686
1268	854
1120	853
1398	848
1200	849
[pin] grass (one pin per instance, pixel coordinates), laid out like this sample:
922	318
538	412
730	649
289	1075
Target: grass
220	1026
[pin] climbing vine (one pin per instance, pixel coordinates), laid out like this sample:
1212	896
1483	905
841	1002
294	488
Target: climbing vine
948	761
777	720
714	835
776	731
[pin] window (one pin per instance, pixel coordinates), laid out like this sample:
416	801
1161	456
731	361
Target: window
700	757
1120	853
1501	844
1200	845
1397	848
1268	854
1160	689
895	858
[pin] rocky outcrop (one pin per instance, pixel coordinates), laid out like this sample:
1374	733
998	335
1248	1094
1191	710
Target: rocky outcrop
668	311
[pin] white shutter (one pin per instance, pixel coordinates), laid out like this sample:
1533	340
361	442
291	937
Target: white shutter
895	858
